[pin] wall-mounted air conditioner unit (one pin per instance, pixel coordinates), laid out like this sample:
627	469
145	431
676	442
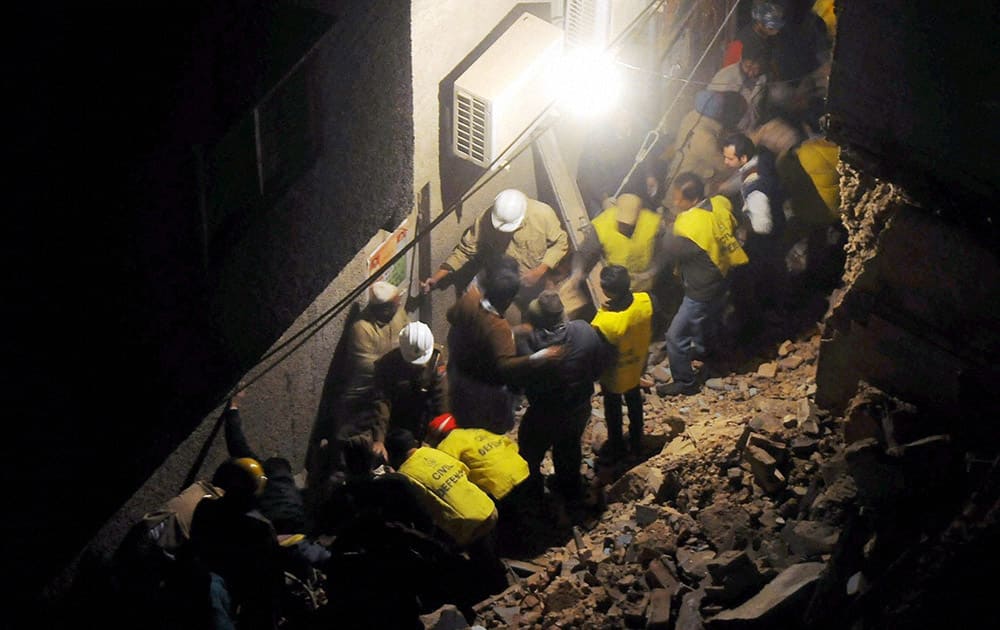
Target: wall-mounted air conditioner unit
505	89
597	23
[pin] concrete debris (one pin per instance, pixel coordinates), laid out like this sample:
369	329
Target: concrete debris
735	491
446	617
734	578
785	348
767	370
810	538
658	612
777	605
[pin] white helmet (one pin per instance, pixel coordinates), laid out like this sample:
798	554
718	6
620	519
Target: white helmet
416	343
508	210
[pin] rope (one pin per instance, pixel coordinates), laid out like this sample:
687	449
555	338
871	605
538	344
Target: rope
644	150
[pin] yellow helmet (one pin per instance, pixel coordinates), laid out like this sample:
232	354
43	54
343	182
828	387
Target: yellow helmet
256	472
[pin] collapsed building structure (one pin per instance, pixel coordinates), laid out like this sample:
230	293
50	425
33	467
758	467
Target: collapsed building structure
865	495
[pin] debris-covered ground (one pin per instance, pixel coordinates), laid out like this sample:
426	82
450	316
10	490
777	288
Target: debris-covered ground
728	515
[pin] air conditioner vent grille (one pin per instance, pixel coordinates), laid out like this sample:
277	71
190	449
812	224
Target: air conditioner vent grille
581	22
470	128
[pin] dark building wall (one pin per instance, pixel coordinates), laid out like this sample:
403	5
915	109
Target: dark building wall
912	102
913	95
131	318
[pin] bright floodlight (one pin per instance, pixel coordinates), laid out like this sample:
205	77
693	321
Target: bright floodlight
588	81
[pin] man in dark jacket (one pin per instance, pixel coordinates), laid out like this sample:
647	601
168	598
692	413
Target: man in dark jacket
559	396
483	357
411	386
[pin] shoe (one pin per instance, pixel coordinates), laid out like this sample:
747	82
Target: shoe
677	389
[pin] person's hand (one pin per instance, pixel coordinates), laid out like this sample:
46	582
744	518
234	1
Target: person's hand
741	234
532	277
428	285
379	449
234	402
552	353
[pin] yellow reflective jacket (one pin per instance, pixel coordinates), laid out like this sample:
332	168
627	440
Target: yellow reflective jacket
630	331
819	158
493	460
635	252
456	504
713	233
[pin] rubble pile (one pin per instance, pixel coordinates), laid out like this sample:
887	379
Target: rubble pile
730	524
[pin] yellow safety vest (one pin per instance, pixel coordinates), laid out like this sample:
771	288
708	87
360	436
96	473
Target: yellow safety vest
493	460
457	505
819	158
630	331
635	252
713	232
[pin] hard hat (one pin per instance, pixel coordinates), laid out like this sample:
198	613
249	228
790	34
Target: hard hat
442	424
384	292
255	471
508	210
416	343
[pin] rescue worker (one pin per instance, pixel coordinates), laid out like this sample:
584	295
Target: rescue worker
768	19
524	229
560	397
626	322
411	385
483	359
493	460
239	547
760	285
704	246
375	333
458	507
625	234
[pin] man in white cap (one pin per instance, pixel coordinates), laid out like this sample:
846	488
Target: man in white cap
411	387
524	229
373	334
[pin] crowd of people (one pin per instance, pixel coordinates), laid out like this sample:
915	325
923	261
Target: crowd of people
416	462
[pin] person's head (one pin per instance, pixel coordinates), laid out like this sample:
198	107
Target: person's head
546	311
439	427
615	281
399	443
688	190
383	300
500	284
629	204
753	58
768	18
737	150
242	479
509	208
416	343
359	459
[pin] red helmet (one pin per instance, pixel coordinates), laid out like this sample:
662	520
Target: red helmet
442	424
